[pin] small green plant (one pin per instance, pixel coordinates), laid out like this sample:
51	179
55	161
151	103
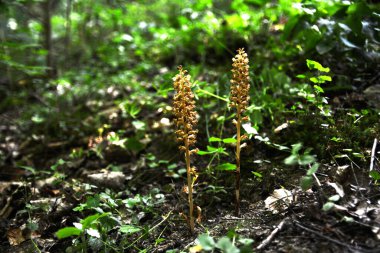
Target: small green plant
239	99
305	159
90	226
185	120
315	97
224	244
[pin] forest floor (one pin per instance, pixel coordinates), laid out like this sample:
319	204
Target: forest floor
145	189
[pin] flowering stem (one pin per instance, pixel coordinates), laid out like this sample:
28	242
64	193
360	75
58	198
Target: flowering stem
237	178
189	186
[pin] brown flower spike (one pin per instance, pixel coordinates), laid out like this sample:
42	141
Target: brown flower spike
185	120
239	99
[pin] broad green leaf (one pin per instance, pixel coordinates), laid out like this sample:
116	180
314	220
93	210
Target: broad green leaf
129	229
291	160
306	159
67	232
226	166
306	183
207	242
296	148
301	76
131	202
375	175
229	140
134	144
214	139
325	78
313	169
201	152
89	220
226	246
212	149
316	65
318	89
314	79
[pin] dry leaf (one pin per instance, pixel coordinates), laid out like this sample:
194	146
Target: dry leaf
15	236
278	200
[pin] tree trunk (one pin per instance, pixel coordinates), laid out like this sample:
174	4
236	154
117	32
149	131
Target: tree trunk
47	31
68	31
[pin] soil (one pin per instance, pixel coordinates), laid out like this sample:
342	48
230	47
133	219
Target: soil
297	223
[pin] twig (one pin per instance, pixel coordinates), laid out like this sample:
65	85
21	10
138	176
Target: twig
164	218
264	243
373	154
352	248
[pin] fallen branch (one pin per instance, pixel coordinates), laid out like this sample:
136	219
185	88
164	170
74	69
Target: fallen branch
264	243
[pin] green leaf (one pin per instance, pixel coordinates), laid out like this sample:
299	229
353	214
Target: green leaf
67	232
226	246
212	149
314	79
375	175
214	139
129	229
226	166
229	140
201	152
28	168
57	164
306	183
301	76
257	174
207	242
139	125
89	220
296	148
318	89
131	202
306	159
336	139
134	144
334	198
316	65
313	169
325	78
328	206
291	160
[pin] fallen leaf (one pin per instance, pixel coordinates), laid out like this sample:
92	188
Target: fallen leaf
15	236
278	200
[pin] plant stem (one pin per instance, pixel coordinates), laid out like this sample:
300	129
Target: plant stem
237	179
189	186
84	243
